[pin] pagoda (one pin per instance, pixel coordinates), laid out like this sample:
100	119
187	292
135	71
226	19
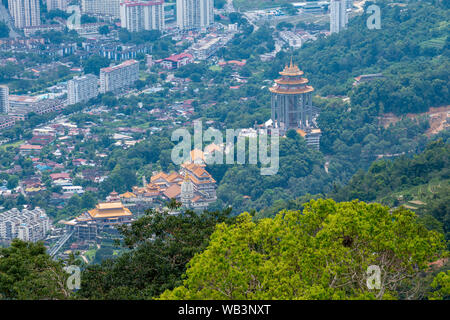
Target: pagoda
292	101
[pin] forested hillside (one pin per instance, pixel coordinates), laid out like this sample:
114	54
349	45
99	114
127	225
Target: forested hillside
421	181
416	78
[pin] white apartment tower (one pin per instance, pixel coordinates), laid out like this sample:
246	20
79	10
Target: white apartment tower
25	13
120	76
26	225
136	16
81	89
4	99
57	5
195	14
109	8
338	15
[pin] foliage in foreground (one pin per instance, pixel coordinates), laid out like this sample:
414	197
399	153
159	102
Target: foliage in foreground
161	245
27	272
321	253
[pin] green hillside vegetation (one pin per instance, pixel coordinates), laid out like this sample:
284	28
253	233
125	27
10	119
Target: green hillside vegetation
420	183
320	253
352	138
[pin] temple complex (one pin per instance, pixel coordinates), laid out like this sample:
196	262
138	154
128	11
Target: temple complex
103	218
175	185
292	106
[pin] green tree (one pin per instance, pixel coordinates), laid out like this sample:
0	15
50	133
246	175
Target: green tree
94	64
320	253
4	30
441	286
28	272
160	245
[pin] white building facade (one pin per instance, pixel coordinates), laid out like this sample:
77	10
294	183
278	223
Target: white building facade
109	8
136	16
81	89
338	15
4	99
26	225
25	13
195	14
57	5
120	76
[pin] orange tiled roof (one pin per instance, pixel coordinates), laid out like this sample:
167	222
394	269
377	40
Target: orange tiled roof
159	175
173	191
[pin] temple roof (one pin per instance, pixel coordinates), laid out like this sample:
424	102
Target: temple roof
291	70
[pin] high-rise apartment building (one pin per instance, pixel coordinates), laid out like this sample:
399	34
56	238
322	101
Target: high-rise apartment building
137	16
81	89
4	99
120	76
195	14
109	8
338	15
26	225
25	13
57	5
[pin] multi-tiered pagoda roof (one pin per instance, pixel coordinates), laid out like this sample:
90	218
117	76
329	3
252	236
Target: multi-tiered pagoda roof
291	81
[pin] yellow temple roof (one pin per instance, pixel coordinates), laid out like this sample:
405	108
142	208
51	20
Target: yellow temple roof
109	210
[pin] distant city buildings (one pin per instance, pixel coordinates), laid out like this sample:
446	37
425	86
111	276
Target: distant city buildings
109	8
338	15
120	76
136	16
25	13
176	61
294	40
57	5
26	225
21	106
81	89
195	14
4	99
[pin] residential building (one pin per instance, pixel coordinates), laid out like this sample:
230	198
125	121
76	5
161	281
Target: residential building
81	89
43	28
120	76
136	16
25	13
176	61
195	14
109	8
338	16
293	39
57	5
7	122
4	99
26	225
21	106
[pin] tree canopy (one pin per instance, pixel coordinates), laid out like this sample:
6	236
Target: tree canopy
320	253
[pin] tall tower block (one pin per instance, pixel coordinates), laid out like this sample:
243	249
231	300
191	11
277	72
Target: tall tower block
292	100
